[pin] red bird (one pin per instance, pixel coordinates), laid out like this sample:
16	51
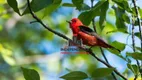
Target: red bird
87	35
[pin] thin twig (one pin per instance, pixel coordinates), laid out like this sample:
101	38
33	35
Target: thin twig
140	30
138	19
133	44
102	52
133	37
33	22
66	38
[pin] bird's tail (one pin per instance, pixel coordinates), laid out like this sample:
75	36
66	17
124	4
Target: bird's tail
105	45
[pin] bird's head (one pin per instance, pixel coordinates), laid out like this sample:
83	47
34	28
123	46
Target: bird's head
75	22
74	25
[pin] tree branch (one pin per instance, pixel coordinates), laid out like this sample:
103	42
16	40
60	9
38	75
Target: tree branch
66	38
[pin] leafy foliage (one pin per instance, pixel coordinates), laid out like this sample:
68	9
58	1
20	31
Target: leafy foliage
87	16
80	5
133	68
18	37
68	5
135	55
75	75
30	74
102	72
103	13
37	5
120	46
14	5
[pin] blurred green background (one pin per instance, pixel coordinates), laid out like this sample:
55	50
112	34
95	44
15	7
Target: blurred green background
32	46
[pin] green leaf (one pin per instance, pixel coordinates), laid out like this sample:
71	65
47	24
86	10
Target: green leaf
138	48
87	16
75	75
137	34
30	74
1	27
104	9
85	7
140	11
68	5
37	5
123	4
2	1
135	55
48	10
119	19
126	18
102	72
14	5
133	68
133	11
9	60
80	5
117	45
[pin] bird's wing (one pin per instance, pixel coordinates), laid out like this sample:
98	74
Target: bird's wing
85	29
89	31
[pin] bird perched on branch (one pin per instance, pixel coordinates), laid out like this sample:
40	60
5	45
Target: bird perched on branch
87	35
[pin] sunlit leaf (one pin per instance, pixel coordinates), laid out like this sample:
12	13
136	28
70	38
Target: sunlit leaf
133	68
2	1
140	11
102	72
1	47
14	5
30	74
75	75
9	60
135	55
1	27
5	16
1	9
133	78
68	5
109	28
118	45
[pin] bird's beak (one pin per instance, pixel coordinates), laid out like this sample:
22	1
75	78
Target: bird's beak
68	22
